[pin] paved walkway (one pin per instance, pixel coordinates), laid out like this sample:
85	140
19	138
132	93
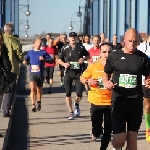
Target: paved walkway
50	129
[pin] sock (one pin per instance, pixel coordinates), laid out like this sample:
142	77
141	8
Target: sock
39	102
71	112
76	104
147	121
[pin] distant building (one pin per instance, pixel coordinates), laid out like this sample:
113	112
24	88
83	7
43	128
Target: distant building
115	16
9	12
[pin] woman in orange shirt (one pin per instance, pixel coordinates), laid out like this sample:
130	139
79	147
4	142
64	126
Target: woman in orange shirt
99	97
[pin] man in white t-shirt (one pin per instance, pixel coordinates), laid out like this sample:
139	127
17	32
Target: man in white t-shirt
87	43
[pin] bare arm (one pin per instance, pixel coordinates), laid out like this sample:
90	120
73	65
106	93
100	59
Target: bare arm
107	81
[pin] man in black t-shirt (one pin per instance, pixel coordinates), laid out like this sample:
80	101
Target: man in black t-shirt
115	45
71	57
127	66
59	45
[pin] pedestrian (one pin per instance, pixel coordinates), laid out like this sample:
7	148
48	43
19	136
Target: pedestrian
37	58
5	64
127	66
71	58
99	97
15	55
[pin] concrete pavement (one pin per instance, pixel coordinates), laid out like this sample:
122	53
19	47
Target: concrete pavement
49	129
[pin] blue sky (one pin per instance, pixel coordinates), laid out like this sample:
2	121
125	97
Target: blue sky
51	15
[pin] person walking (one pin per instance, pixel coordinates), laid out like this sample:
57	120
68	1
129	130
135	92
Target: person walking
15	55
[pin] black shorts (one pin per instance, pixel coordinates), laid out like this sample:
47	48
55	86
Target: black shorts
126	111
68	79
49	72
38	78
146	91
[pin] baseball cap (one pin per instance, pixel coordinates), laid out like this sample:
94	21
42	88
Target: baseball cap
72	34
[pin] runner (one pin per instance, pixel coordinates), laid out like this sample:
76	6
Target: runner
37	58
144	47
127	66
94	51
99	97
87	44
71	58
59	46
115	44
102	38
51	50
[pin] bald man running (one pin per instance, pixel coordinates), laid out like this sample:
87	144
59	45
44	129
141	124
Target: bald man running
127	66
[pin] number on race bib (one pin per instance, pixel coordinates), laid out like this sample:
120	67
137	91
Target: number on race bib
35	68
128	81
74	65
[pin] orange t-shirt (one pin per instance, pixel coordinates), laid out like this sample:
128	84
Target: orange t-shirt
97	95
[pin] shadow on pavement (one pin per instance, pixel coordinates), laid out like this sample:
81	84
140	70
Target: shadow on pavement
19	127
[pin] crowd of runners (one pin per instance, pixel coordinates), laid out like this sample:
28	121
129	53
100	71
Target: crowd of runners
115	76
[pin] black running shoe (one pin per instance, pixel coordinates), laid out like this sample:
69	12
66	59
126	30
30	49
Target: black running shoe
33	108
38	106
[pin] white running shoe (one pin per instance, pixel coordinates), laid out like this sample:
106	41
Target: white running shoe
71	117
77	111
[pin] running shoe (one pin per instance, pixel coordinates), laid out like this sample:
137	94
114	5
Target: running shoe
148	135
33	108
77	110
71	117
61	84
38	106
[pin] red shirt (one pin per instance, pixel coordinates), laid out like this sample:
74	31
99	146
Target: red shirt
52	51
94	54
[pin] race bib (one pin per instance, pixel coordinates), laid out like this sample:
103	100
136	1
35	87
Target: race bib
52	56
100	83
74	65
35	68
95	58
128	81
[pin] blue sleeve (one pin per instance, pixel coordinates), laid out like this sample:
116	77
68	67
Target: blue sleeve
27	57
47	57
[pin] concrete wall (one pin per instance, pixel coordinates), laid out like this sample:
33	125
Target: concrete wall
116	16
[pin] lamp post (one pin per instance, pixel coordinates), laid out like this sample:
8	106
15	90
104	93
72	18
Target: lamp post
79	14
27	12
26	25
71	26
26	34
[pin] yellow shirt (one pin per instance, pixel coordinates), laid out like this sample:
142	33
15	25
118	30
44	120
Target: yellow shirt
98	95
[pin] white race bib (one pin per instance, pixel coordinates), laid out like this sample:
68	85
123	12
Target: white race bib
35	68
74	65
128	81
95	58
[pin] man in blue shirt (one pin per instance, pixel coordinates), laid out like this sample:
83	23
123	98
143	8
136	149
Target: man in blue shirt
37	58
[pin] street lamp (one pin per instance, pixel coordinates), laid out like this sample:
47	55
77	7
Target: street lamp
26	25
79	14
26	34
27	13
